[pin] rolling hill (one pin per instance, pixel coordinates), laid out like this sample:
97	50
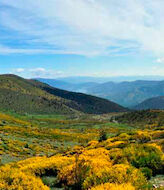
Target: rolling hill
151	103
30	96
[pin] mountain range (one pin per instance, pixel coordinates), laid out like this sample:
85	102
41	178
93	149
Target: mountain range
41	96
128	94
30	96
86	79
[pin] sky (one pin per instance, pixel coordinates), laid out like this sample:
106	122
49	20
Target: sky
58	38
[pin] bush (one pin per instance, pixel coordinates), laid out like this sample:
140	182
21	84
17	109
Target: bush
147	155
147	172
143	138
103	136
12	179
124	173
80	171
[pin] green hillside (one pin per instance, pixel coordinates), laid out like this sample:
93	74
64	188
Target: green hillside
30	96
151	103
142	118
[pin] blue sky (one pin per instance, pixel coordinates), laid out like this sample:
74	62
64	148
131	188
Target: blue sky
56	38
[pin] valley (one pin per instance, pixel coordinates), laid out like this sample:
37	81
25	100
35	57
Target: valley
81	95
52	139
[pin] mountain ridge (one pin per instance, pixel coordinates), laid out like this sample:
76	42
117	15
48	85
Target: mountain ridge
125	93
31	96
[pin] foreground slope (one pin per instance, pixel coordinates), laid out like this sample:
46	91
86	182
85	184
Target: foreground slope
79	154
125	161
30	96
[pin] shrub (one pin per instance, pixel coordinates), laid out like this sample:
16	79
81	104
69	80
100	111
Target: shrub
103	136
88	170
123	173
124	137
12	179
146	155
118	174
147	172
143	137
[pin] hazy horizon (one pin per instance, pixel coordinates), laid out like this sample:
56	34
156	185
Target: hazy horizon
98	79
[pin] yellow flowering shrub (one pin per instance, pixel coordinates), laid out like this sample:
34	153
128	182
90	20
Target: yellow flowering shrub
147	155
14	179
124	137
93	162
92	144
143	136
120	174
154	146
12	119
117	156
22	175
157	134
116	144
39	165
123	173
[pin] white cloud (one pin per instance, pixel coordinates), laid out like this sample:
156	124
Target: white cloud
160	60
19	70
86	27
37	72
9	50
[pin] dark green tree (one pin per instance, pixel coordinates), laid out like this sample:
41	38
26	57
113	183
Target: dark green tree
103	136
